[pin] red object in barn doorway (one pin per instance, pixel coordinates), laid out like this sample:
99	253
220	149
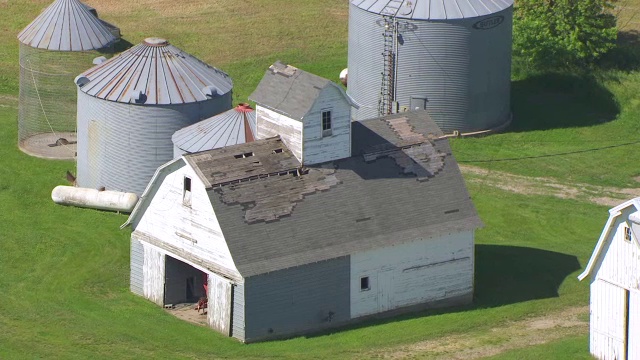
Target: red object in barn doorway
205	281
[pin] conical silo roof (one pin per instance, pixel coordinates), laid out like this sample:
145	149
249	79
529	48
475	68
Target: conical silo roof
433	9
154	72
235	126
66	25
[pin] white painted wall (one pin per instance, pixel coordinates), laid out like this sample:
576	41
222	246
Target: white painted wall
153	274
269	124
621	261
412	273
193	228
220	304
608	321
617	275
319	149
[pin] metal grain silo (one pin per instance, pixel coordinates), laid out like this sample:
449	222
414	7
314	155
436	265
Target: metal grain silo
129	106
60	43
451	57
232	127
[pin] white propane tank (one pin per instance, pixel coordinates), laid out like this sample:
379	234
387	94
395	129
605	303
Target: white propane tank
94	199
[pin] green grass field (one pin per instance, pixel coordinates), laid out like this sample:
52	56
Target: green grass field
64	280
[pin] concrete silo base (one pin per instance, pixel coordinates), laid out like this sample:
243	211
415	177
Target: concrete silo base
50	145
498	129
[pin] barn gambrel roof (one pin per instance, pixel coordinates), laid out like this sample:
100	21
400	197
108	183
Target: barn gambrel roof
614	213
399	186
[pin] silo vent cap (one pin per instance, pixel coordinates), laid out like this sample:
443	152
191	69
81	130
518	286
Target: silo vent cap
210	91
156	41
138	97
81	80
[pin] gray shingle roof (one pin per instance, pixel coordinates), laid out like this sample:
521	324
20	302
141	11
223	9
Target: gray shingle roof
372	204
288	90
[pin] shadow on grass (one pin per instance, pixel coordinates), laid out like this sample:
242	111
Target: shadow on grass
549	101
121	45
503	275
626	56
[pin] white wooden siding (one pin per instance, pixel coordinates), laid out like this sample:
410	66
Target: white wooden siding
219	305
318	149
270	123
193	228
608	321
621	261
413	273
153	274
634	326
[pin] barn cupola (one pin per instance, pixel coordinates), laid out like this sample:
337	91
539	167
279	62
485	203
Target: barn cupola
310	114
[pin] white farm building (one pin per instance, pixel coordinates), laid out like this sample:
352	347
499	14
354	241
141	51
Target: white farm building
285	246
615	286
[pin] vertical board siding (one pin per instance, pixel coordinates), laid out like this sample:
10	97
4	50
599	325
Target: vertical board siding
193	228
153	274
318	149
136	279
237	313
608	321
133	140
297	299
270	123
634	326
219	305
414	273
621	262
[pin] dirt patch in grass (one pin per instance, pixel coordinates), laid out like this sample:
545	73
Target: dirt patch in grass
601	195
8	101
514	335
186	312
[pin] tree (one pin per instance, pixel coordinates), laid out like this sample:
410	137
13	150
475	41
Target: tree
563	34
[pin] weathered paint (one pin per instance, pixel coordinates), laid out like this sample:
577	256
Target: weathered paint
318	148
195	228
136	277
608	318
153	274
297	299
269	124
220	304
121	145
634	326
621	263
237	313
418	272
463	72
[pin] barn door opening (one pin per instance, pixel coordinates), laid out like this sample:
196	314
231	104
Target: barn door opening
183	283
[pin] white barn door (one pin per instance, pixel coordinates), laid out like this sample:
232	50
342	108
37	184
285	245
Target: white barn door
634	326
608	321
219	304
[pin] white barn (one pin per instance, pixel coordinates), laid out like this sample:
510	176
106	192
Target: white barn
615	286
287	247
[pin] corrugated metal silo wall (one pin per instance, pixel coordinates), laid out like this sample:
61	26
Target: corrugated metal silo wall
120	146
462	72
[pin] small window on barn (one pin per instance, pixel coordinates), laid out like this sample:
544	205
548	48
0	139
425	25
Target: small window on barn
326	123
186	193
364	283
627	233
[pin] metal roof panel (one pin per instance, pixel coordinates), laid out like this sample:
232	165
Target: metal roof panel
162	72
436	9
66	25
